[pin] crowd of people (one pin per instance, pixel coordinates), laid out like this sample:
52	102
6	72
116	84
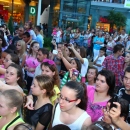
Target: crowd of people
82	83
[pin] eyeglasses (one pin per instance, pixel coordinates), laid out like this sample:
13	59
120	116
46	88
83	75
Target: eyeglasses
66	100
50	62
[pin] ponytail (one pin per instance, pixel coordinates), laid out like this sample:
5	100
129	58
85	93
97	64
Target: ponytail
80	89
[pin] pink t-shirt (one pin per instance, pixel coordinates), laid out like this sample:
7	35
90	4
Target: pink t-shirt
94	109
31	62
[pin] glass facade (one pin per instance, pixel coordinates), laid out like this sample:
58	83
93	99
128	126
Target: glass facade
72	13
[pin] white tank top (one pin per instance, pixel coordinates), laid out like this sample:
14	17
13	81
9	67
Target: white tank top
76	125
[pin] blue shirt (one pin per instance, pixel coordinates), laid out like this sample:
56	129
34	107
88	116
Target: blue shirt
98	46
39	39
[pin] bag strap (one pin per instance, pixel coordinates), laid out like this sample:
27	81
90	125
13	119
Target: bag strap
12	122
54	112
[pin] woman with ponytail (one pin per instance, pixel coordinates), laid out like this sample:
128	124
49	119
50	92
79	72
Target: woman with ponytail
71	107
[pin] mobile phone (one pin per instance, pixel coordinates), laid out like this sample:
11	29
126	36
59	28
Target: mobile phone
75	72
55	52
114	99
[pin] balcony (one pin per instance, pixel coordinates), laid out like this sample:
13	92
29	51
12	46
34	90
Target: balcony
109	3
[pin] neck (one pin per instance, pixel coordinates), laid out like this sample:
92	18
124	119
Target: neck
101	94
10	117
20	36
13	84
37	33
127	92
115	55
72	111
34	54
41	97
91	82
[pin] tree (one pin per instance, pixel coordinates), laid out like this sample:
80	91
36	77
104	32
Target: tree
10	25
117	19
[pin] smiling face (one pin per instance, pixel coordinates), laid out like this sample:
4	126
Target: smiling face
91	75
11	76
47	71
101	84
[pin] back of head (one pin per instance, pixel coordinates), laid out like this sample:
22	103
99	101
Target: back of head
60	127
38	28
23	126
13	48
14	58
117	48
13	97
99	125
27	34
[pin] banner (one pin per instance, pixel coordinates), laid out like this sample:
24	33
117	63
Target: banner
127	4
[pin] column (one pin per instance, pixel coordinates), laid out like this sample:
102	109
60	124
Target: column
60	14
26	10
39	12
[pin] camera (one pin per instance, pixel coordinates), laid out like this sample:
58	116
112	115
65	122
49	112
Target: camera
114	99
75	72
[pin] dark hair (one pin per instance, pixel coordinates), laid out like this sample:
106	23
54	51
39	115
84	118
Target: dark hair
1	33
14	98
117	48
124	107
103	49
38	28
19	74
23	126
110	80
27	34
3	41
127	69
14	58
32	44
8	51
60	127
78	63
44	51
83	52
99	125
30	24
80	89
13	48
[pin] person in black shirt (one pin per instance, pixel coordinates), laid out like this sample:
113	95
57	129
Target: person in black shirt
42	89
19	37
124	92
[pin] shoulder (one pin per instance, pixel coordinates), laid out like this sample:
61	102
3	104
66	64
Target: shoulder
86	123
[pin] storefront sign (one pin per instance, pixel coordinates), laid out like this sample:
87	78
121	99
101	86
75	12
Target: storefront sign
32	10
127	4
103	20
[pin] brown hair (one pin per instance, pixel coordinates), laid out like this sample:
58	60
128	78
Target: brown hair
53	69
13	97
46	82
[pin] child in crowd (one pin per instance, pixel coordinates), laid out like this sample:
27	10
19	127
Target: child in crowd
99	59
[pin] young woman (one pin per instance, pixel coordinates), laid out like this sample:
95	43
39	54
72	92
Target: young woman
48	68
98	96
31	63
21	51
10	58
42	88
3	43
71	106
10	103
91	76
13	77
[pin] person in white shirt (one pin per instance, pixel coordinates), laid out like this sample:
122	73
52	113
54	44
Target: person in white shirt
99	59
58	34
123	35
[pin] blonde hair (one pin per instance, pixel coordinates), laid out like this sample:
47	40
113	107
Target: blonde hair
47	83
23	47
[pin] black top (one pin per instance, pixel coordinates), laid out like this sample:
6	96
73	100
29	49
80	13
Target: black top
15	39
41	115
125	96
